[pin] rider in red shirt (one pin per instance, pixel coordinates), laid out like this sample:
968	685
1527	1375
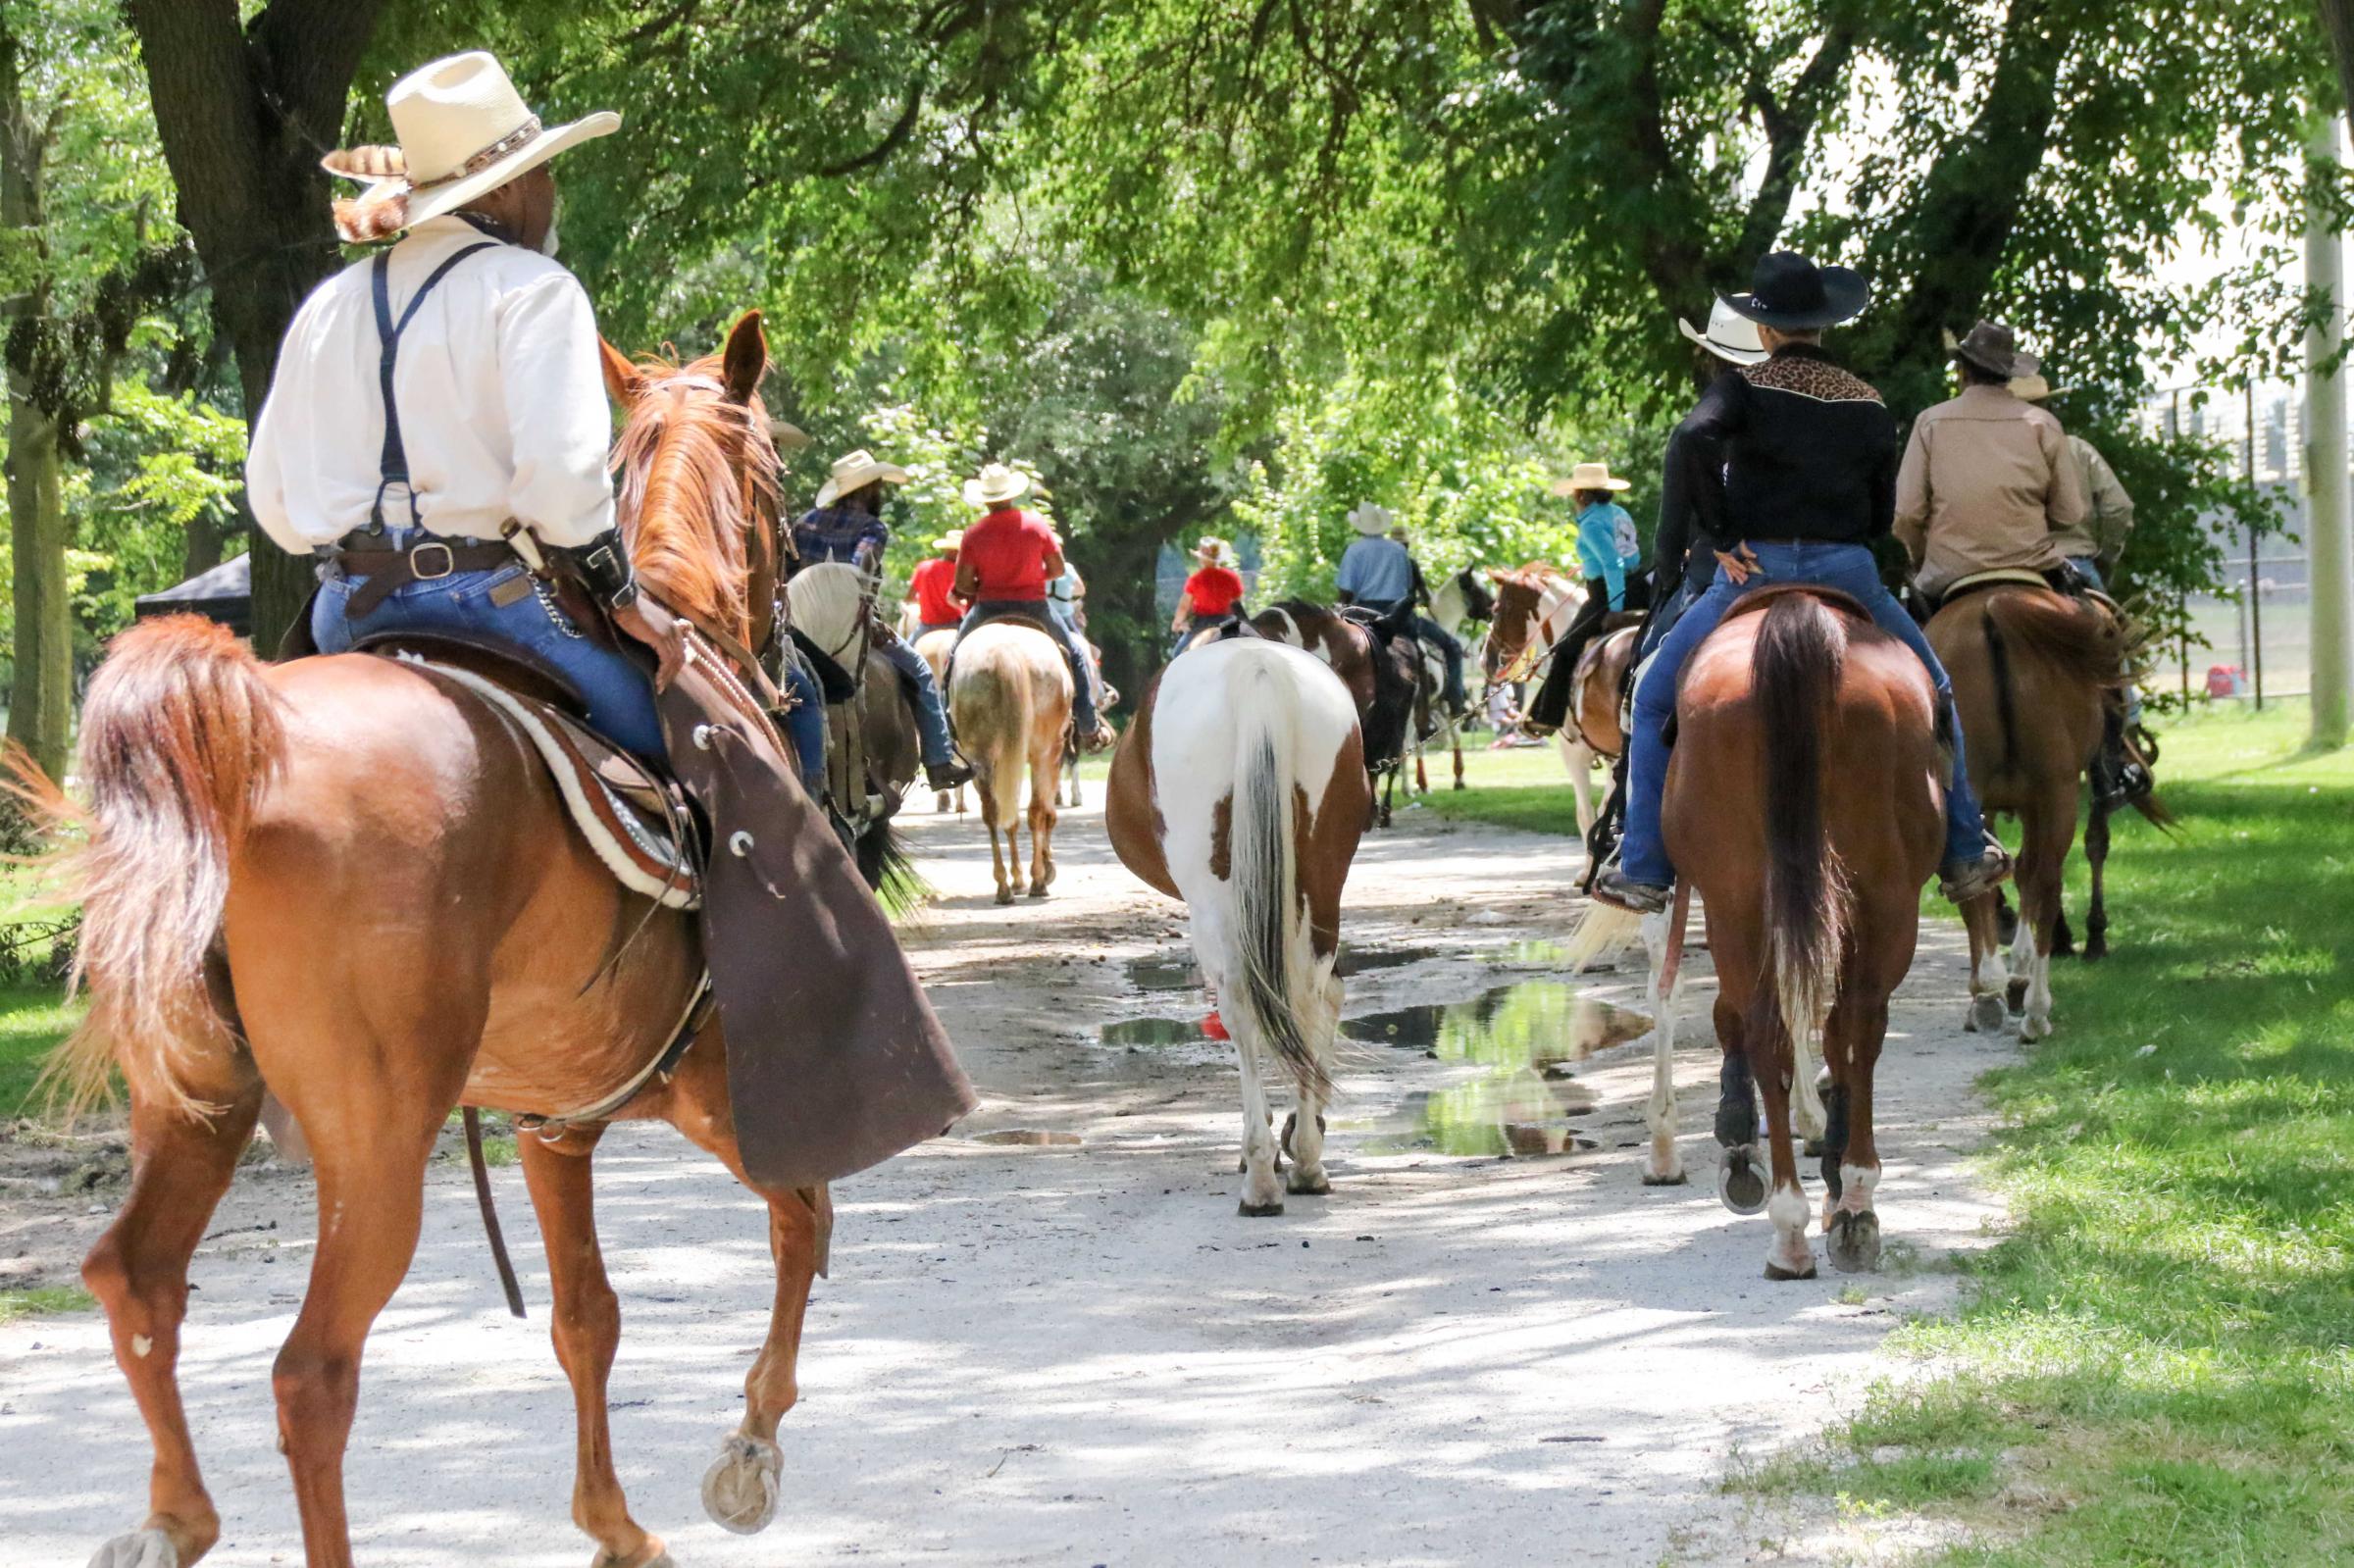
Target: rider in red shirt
1211	594
933	586
1003	565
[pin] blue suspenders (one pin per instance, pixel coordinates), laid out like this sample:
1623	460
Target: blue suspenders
394	466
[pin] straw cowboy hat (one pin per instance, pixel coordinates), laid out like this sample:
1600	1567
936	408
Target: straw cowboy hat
463	130
1991	346
789	436
854	471
1371	520
2035	388
994	486
1789	292
1732	336
949	543
1589	477
1220	553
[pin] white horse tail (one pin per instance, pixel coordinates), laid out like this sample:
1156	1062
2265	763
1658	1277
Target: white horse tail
1271	948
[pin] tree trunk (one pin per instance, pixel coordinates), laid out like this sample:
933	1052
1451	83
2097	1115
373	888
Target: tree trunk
2337	20
40	701
244	115
2327	524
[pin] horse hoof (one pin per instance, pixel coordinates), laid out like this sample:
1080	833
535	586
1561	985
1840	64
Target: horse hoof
1813	1148
1775	1271
1673	1179
1986	1014
739	1489
1004	896
141	1548
1740	1182
1315	1185
661	1558
1039	891
2031	1030
2096	948
1854	1241
1259	1211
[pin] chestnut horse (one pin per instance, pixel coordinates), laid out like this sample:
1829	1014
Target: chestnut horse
1805	809
2036	675
351	880
1383	680
1009	698
1241	789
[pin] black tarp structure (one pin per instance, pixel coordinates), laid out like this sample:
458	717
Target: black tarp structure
223	594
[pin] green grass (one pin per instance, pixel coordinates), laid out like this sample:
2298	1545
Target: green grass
2155	1364
44	1300
33	1017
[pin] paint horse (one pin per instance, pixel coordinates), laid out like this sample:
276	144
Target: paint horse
1534	606
1804	808
351	880
1009	700
1381	674
2036	676
1241	789
1459	601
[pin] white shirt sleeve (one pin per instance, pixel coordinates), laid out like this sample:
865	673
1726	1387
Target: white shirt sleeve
557	412
265	450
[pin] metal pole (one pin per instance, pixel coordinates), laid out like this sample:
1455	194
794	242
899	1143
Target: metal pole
2327	520
2255	582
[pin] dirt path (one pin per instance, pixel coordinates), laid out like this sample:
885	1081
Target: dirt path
1040	1351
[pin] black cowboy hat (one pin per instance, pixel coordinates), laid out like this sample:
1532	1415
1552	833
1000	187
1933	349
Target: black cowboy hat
1992	347
1790	292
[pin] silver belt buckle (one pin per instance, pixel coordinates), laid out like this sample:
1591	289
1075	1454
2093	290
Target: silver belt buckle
417	558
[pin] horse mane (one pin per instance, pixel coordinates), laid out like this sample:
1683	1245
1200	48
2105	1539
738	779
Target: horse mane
688	461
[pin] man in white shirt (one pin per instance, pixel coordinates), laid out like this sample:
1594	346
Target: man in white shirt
443	397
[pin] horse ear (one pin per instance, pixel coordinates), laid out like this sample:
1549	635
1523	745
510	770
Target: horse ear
623	382
1498	575
745	360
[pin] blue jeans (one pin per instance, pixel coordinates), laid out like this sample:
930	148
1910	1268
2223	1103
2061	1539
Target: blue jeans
1074	648
1848	567
1450	649
930	717
620	697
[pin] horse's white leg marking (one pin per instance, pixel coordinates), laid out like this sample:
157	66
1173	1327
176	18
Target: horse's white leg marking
1579	758
1789	1253
1263	1193
1989	985
1856	1184
2035	966
1321	1002
1663	1166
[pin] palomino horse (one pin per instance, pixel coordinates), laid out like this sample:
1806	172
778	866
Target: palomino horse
1009	697
872	750
1806	733
1241	789
2034	673
352	880
1382	679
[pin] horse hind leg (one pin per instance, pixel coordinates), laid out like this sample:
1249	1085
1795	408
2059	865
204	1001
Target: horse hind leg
1990	977
2096	855
1741	1168
1304	1130
1663	1165
585	1326
139	1273
1851	1226
1044	781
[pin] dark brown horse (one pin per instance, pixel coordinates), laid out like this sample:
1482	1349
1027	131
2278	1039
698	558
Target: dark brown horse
2036	676
351	880
1803	809
1380	669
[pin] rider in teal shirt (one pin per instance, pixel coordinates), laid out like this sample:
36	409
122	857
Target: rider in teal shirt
1606	546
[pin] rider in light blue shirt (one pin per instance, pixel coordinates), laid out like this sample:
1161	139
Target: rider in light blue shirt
1379	571
1607	545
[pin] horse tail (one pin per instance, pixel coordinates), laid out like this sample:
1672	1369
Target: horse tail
2006	694
989	706
1271	942
1799	651
179	737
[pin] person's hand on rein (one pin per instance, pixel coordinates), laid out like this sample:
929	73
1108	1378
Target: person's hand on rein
1741	564
646	619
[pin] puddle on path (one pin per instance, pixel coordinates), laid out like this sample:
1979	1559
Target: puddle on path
1174	970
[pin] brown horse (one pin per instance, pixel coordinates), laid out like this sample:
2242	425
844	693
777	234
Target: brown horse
2035	676
1805	810
351	880
1009	698
1241	789
1383	677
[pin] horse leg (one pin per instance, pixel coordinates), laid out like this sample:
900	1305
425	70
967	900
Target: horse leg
1304	1131
1851	1170
742	1487
997	854
1579	758
1741	1168
2096	854
1263	1194
139	1273
1043	817
1663	1166
1989	979
1789	1257
586	1330
2042	862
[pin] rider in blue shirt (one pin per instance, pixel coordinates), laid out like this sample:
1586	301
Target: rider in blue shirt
1379	573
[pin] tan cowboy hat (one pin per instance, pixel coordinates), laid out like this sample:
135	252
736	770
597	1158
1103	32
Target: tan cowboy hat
1371	520
463	130
854	471
994	486
789	436
2035	388
1732	336
950	542
1589	477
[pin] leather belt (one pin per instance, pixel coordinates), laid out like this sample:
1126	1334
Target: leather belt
384	566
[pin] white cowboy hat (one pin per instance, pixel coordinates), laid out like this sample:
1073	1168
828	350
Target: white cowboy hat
1589	477
950	542
854	471
463	130
1371	520
994	486
1732	336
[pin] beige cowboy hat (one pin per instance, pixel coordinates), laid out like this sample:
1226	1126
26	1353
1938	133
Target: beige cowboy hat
854	471
789	436
994	486
1371	520
1732	336
949	543
1589	477
463	130
2035	388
